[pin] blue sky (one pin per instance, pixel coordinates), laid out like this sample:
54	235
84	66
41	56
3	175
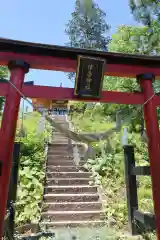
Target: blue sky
44	22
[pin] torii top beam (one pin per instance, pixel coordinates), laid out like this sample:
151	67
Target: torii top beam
52	57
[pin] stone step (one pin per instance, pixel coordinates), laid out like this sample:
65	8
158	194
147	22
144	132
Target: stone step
64	163
57	133
60	151
67	181
63	147
59	140
63	168
72	215
63	157
51	162
60	155
58	136
59	145
67	156
62	121
84	197
74	224
72	206
70	189
52	145
68	174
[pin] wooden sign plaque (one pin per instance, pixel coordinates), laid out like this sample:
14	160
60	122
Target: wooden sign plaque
89	77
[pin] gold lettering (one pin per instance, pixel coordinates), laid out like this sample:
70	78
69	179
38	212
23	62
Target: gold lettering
89	77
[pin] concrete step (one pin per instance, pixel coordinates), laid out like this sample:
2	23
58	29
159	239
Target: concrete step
72	215
82	197
57	133
60	141
67	181
68	174
57	156
60	156
63	168
51	162
64	147
68	156
57	163
72	206
52	145
59	145
63	158
74	224
58	138
70	189
60	151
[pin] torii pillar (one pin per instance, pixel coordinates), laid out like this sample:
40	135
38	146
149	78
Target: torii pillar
8	130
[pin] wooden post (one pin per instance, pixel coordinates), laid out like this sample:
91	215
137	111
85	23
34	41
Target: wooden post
131	187
13	188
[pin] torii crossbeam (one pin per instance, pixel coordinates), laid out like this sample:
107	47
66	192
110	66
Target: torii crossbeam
20	56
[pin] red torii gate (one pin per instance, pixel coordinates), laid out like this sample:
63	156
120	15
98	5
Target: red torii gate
20	56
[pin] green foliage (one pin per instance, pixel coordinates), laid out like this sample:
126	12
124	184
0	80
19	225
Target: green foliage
108	169
128	40
31	172
87	28
147	12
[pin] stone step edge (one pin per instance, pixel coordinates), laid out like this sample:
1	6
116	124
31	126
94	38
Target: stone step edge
74	222
72	212
68	178
73	203
70	194
75	167
87	173
70	186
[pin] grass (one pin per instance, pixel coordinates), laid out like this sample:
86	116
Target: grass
31	170
30	121
113	186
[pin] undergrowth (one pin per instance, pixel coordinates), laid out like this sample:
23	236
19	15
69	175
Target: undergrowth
31	169
108	170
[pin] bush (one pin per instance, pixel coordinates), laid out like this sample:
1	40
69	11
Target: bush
108	168
31	173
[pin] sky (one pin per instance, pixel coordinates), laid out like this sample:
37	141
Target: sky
44	22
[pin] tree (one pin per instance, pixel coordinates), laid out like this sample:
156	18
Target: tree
87	28
147	12
126	40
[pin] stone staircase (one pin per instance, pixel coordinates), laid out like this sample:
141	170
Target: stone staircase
69	200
